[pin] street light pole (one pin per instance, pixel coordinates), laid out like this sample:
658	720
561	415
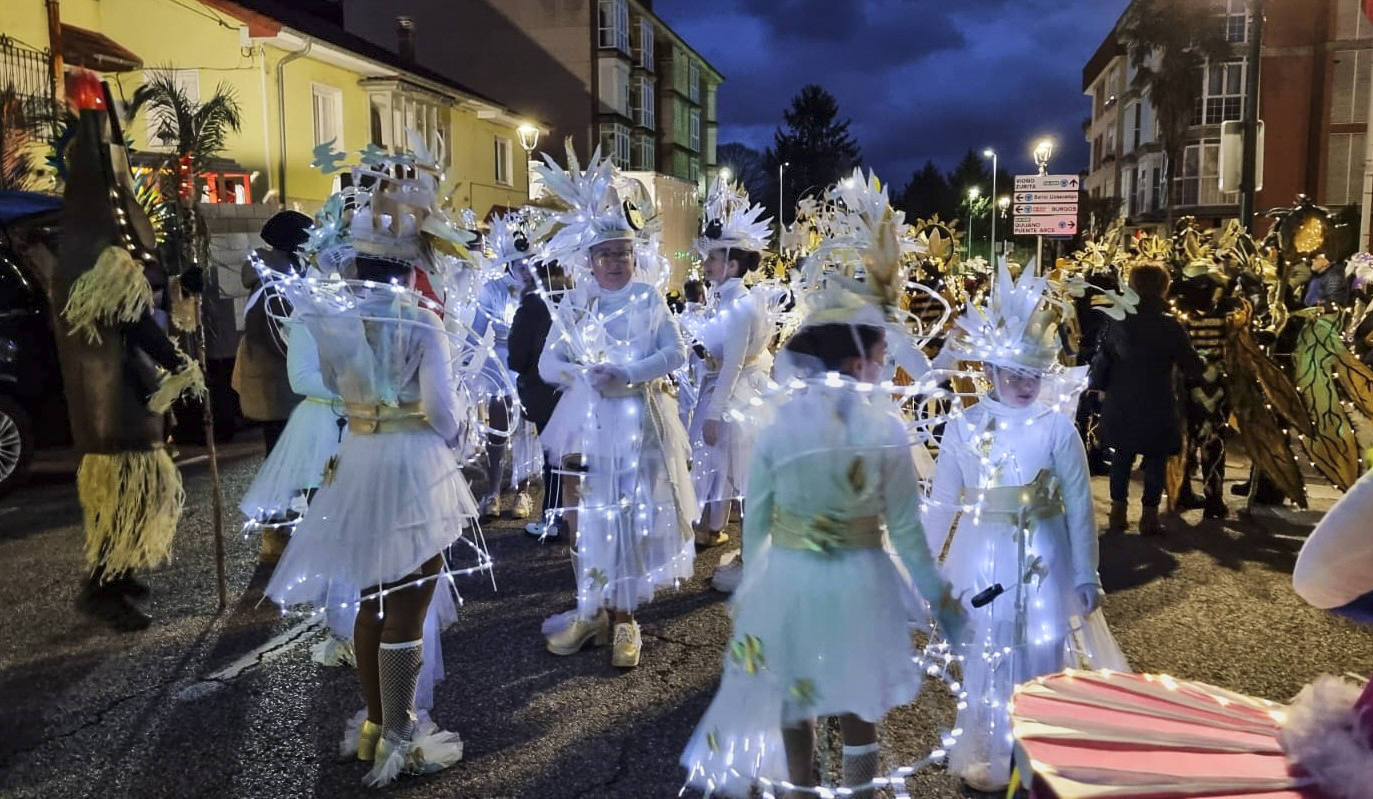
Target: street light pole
780	166
990	153
972	198
1044	150
1249	164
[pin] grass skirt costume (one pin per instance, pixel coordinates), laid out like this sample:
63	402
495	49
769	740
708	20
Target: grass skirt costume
821	620
396	495
636	504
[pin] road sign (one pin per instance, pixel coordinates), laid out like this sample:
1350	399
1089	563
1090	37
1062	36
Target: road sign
1057	209
1045	197
1065	225
1046	183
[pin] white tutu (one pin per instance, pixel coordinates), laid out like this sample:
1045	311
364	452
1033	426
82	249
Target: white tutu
526	454
828	635
396	500
296	463
720	472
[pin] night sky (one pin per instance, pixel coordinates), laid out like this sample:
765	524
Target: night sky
921	79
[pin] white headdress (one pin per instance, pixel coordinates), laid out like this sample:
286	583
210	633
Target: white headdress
510	237
594	211
730	221
1018	328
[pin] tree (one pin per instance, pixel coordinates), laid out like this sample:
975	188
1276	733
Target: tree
927	193
747	165
1170	43
816	146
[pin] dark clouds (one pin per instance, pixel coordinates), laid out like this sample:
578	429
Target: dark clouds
919	78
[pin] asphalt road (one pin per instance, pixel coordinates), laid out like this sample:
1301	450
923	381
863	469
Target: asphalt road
230	705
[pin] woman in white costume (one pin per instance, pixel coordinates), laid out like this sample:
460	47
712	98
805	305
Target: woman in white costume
1012	482
735	332
821	620
612	345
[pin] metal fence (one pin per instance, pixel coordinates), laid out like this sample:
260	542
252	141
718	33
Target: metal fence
28	73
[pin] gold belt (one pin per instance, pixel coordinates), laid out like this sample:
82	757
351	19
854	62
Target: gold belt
1036	500
657	384
365	419
823	534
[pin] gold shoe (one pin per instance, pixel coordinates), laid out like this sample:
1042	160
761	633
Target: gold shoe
625	652
273	544
367	740
711	538
570	641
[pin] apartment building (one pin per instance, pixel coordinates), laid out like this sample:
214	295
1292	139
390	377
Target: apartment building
1315	77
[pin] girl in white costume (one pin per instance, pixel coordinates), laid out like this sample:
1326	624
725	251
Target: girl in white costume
821	620
612	345
394	501
735	331
1012	482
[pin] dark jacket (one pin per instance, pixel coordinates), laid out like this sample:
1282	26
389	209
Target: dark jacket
1135	365
528	331
264	389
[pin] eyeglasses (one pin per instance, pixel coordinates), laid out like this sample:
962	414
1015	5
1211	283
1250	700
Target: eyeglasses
606	256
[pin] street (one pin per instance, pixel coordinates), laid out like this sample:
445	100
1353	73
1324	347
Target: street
231	705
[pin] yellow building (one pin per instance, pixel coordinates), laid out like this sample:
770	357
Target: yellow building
299	79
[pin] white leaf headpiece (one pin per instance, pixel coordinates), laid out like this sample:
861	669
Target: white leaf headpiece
730	221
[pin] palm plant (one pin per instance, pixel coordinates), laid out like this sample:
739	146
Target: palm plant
1170	43
16	162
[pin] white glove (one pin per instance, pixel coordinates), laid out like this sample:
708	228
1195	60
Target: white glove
604	376
1090	595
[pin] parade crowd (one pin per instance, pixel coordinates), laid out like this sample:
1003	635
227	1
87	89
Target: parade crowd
912	476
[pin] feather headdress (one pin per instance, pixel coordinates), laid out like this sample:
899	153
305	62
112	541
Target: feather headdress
510	237
1018	328
594	211
730	221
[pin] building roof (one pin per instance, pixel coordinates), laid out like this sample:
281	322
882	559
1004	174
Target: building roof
321	26
94	50
1101	59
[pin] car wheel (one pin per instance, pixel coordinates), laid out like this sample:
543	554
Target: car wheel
16	444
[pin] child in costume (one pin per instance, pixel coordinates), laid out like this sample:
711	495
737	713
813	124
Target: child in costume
613	344
821	619
1011	503
735	332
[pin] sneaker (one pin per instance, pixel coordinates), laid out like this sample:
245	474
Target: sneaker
727	577
1215	509
546	532
624	653
706	539
490	507
579	633
112	607
129	586
524	506
979	777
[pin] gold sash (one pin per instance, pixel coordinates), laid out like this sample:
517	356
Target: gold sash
1037	500
823	534
365	419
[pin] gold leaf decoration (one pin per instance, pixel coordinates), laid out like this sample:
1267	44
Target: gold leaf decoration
748	653
1331	444
1356	379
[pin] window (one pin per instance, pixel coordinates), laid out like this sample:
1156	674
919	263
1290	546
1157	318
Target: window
694	170
1222	94
615	143
1235	19
641	155
1096	153
614	25
328	112
614	82
694	131
644	98
1344	168
1109	145
1198	180
1155	188
1131	128
393	113
1127	192
694	83
505	162
188	80
1141	200
643	51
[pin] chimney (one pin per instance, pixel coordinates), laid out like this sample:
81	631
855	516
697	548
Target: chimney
405	38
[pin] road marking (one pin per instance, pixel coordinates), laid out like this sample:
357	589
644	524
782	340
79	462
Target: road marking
192	459
271	650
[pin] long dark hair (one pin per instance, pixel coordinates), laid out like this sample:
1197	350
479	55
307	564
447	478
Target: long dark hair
834	344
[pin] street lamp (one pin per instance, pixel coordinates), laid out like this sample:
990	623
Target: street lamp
726	174
972	198
780	167
1044	150
1004	203
529	139
990	153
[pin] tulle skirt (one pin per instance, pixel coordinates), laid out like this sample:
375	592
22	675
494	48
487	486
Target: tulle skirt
296	463
1059	635
720	471
526	454
395	501
635	500
814	635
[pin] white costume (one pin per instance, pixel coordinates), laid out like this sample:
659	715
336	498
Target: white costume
636	506
1013	476
311	436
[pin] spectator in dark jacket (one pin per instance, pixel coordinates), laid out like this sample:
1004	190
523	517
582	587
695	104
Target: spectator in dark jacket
1136	366
528	331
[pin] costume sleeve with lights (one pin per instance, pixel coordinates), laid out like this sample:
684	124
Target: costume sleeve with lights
835	563
626	442
1025	539
120	371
